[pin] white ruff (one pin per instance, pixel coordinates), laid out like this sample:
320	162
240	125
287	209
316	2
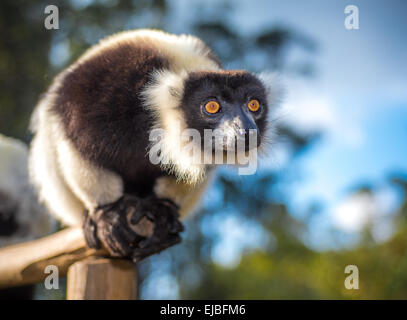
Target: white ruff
163	97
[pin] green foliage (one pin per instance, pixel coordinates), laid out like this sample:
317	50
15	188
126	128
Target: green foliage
291	270
26	47
23	64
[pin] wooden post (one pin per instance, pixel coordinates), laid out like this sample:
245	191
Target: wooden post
102	279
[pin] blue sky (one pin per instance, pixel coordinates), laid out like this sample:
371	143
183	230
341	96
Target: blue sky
358	98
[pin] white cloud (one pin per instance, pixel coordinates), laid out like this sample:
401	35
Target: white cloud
354	213
309	112
242	235
361	209
306	109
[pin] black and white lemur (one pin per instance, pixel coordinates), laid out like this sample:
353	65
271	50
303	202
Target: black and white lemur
89	156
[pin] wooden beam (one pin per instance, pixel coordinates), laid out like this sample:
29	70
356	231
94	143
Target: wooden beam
102	279
25	263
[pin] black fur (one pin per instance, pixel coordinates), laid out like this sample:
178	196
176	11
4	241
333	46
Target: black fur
117	227
232	89
100	106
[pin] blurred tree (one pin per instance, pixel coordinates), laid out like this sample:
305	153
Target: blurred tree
288	269
23	64
31	55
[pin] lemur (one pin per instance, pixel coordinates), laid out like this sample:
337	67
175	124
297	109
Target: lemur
89	155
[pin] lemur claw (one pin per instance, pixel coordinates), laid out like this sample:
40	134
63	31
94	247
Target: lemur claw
163	214
133	227
89	230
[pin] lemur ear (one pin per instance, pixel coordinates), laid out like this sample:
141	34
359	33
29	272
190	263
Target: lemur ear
274	85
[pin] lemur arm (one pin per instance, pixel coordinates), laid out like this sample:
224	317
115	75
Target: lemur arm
128	226
184	195
93	185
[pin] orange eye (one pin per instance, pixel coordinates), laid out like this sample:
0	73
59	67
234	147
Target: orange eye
253	105
212	107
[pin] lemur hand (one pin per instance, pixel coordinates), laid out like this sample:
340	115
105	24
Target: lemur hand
134	227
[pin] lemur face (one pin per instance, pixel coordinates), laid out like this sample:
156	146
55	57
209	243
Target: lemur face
232	103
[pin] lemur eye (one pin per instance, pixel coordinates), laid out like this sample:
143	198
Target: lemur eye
212	107
253	105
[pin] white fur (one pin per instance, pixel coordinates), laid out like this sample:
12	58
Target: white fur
168	116
93	186
275	93
184	195
274	86
162	97
45	172
66	182
184	52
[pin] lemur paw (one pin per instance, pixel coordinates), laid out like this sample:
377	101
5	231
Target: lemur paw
89	230
163	214
134	227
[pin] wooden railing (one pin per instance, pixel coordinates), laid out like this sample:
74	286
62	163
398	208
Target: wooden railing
89	274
